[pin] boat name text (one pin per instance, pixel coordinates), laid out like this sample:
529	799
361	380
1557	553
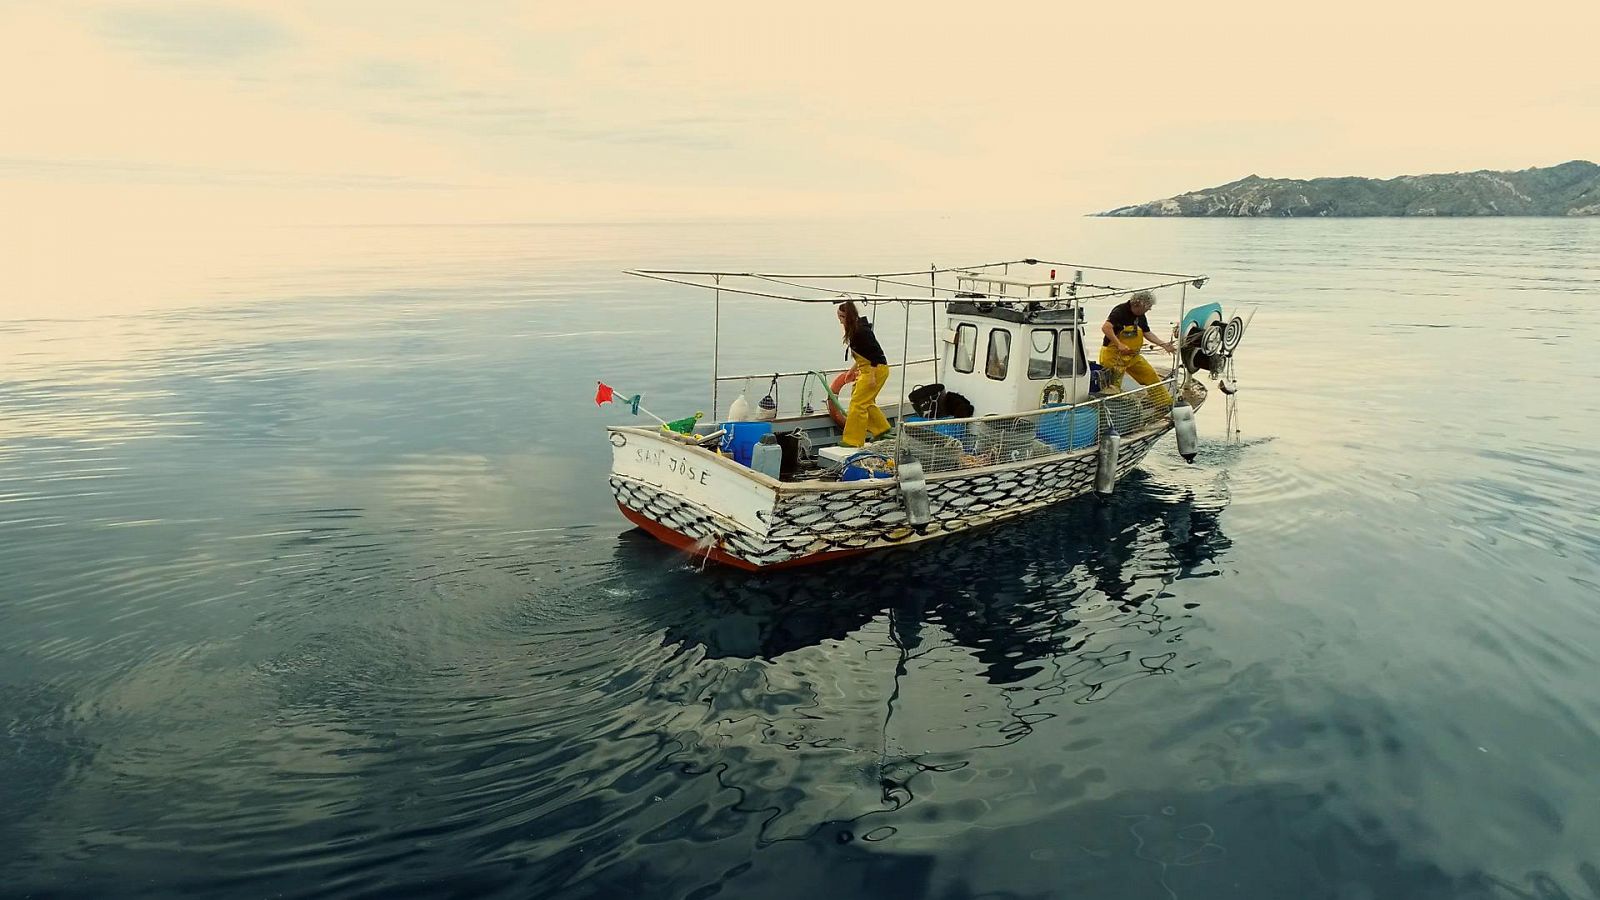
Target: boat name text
674	464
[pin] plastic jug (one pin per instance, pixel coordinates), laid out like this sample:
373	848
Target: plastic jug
767	456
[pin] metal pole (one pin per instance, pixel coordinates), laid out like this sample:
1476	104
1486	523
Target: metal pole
716	344
1078	362
1183	304
900	416
933	309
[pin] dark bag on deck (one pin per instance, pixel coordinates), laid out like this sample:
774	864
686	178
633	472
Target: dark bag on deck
932	401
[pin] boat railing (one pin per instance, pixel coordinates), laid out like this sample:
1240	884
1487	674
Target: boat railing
796	389
944	445
770	375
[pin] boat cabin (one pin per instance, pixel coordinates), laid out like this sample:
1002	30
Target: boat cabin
1007	356
1014	344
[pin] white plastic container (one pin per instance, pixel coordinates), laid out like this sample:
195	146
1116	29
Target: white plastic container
766	457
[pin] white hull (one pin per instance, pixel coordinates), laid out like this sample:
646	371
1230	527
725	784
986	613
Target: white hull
737	516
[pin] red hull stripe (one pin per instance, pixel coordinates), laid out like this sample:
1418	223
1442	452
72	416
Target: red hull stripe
689	545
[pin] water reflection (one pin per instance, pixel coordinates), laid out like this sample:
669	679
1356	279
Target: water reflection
1012	595
915	662
972	645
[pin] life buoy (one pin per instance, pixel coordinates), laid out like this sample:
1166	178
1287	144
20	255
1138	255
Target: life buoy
836	406
1053	393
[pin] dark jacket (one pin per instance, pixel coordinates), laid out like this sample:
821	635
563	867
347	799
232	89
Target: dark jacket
865	344
1129	327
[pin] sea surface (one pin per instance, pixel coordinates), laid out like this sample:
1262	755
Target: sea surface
311	584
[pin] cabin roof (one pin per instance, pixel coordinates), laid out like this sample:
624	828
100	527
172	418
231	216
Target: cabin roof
1017	311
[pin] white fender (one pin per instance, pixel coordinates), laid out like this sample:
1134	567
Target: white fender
1105	471
1183	428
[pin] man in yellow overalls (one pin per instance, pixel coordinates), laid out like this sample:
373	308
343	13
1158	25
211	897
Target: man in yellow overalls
1125	331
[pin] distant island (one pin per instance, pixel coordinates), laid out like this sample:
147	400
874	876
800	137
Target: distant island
1570	189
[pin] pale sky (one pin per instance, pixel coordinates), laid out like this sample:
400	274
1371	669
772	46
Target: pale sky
393	111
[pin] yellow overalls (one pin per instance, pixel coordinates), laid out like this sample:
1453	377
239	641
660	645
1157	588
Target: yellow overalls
1116	361
865	417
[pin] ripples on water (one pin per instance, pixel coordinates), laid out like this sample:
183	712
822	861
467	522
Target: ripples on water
319	591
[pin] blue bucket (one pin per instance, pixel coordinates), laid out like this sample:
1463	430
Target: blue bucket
855	472
742	438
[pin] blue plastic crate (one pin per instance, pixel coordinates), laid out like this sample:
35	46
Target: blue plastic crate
957	430
1070	429
742	438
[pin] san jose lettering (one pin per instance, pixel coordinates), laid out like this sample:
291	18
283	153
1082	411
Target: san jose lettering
674	464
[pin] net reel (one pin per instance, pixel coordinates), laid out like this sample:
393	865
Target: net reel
1209	344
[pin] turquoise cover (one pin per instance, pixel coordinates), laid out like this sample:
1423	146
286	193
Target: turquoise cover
1199	316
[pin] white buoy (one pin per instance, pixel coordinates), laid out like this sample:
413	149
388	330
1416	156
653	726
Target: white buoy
739	410
1183	428
1105	472
914	489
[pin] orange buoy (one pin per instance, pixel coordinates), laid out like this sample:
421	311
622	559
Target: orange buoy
836	407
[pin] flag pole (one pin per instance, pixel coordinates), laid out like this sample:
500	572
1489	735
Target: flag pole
654	416
633	402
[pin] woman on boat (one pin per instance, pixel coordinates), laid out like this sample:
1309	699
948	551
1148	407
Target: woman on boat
870	372
1126	330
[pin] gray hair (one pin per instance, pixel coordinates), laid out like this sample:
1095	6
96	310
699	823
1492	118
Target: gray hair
1144	299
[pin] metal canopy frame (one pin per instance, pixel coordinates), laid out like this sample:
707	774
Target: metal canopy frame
803	287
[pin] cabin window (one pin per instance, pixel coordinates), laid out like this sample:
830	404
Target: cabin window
999	354
966	349
1069	352
1042	356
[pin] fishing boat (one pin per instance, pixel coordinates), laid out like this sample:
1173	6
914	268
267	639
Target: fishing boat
1009	415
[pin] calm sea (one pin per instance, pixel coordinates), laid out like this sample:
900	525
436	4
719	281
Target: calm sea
311	585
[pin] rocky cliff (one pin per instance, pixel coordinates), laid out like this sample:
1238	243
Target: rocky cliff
1570	189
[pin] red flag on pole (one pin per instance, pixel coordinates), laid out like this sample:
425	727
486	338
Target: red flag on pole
602	394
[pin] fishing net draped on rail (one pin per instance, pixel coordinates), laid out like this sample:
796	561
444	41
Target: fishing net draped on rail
949	445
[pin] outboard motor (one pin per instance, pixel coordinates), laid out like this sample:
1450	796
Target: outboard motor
1105	471
1183	427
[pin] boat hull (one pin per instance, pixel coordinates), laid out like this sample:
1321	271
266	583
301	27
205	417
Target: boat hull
712	506
706	550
